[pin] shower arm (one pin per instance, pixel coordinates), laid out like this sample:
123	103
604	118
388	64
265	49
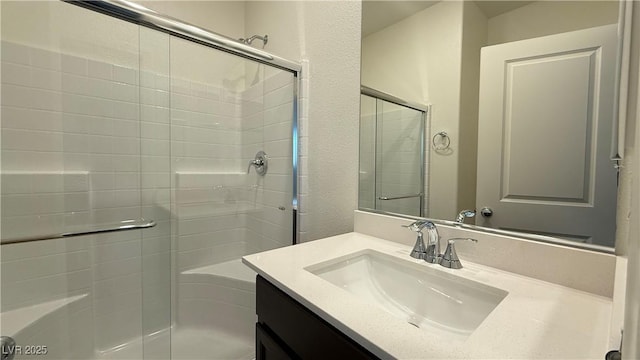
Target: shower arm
249	40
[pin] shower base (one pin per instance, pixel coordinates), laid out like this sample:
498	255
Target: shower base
183	343
215	319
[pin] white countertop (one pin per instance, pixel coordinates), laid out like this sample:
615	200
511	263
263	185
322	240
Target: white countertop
537	319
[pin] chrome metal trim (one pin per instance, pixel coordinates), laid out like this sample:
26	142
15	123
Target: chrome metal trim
423	155
295	239
365	90
124	226
621	85
450	258
399	197
138	14
297	79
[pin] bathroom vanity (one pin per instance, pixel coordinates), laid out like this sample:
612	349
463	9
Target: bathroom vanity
361	297
286	329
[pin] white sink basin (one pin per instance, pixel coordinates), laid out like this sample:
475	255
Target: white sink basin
427	298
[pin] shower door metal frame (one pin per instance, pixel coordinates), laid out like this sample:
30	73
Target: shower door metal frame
424	109
143	16
140	15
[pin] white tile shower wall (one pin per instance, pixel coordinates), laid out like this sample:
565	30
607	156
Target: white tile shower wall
223	212
206	164
155	184
66	115
71	157
36	204
389	160
205	128
211	215
303	151
367	176
269	105
399	145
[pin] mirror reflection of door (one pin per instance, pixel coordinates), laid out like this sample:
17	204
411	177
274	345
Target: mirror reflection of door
545	123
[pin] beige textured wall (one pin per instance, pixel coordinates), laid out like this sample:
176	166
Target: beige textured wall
418	59
222	17
542	18
474	37
631	346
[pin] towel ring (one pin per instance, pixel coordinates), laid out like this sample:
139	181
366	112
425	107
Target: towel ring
445	142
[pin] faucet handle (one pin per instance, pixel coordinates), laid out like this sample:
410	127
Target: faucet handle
419	250
465	214
450	257
418	225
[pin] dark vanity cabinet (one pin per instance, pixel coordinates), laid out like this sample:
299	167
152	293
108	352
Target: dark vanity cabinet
287	329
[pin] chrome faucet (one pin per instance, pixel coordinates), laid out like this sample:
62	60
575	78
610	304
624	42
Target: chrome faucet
450	258
465	214
431	251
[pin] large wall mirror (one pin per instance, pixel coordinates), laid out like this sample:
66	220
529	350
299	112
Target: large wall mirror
521	107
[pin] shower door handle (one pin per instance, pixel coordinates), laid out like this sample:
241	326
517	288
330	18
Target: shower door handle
122	226
399	197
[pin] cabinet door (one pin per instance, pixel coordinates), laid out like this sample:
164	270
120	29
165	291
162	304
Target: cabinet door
268	348
298	330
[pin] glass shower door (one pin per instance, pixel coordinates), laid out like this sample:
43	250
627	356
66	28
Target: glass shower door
399	157
229	200
106	124
367	170
72	146
391	157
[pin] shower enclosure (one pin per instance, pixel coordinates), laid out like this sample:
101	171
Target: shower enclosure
130	182
392	154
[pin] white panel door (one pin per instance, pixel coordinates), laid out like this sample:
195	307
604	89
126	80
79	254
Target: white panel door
544	136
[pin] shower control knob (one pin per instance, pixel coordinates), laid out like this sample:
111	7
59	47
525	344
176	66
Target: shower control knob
486	212
260	162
